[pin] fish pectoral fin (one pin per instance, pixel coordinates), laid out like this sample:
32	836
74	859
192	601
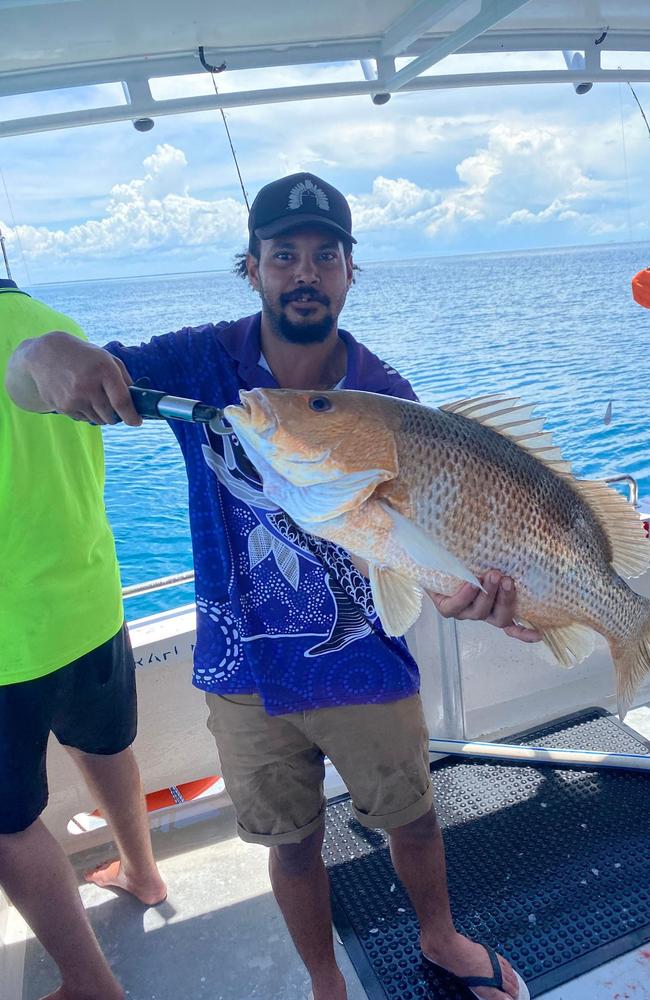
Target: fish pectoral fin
569	644
397	600
425	550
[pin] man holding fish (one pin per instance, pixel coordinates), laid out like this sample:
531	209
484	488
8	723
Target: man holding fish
299	654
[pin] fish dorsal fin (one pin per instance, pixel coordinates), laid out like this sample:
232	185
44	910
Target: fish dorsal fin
510	417
397	600
622	525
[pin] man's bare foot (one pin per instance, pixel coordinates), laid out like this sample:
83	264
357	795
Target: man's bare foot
110	875
463	957
332	989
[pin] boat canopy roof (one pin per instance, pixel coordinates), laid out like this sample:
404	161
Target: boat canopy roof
372	47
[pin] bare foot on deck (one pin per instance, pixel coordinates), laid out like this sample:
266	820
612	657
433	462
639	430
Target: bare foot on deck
463	957
110	875
332	989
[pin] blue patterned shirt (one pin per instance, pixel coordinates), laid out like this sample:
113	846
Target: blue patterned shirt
279	612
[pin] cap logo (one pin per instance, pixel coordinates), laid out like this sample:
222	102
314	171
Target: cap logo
307	189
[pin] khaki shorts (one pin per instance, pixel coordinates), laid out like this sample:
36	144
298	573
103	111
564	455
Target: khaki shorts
273	765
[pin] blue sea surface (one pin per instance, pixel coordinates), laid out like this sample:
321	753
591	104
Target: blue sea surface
557	327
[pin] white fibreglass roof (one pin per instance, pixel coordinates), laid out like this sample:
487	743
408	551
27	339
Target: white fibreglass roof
78	43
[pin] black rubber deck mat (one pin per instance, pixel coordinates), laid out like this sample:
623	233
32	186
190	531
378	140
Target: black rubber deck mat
550	866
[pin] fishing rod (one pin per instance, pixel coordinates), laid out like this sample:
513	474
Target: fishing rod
14	234
219	69
4	255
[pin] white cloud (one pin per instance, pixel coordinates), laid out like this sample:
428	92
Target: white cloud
532	176
399	203
535	167
153	212
556	211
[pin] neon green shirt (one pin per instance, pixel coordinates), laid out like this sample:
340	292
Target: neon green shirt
60	593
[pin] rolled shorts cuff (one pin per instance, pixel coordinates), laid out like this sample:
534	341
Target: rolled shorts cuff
118	747
277	839
391	821
22	822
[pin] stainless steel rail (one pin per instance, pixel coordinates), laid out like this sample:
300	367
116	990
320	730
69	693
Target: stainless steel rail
148	586
555	756
632	485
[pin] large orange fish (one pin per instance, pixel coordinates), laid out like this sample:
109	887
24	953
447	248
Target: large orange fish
431	497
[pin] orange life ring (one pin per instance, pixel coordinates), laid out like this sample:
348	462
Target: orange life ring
176	794
641	288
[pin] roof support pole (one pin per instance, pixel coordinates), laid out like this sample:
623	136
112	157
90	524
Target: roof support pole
413	24
576	60
491	12
372	70
138	91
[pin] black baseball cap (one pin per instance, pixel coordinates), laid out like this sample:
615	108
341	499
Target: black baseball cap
297	200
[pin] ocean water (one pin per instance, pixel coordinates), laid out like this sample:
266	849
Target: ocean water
558	328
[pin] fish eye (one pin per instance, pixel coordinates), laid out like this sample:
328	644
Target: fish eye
320	403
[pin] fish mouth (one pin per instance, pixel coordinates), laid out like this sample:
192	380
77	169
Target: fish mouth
255	418
253	412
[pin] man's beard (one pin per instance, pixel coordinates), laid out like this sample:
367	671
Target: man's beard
307	332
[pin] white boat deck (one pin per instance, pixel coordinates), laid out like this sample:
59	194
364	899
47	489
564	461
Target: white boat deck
220	935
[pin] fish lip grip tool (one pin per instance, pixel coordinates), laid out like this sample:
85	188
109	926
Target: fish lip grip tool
155	405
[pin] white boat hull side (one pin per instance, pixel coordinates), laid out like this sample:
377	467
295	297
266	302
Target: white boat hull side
173	744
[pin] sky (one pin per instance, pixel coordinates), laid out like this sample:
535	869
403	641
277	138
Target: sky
440	172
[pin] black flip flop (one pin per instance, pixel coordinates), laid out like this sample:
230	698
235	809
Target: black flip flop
495	981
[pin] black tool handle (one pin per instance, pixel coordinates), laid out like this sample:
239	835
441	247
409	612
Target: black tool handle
146	402
154	405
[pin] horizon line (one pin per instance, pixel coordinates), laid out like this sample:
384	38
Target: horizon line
387	260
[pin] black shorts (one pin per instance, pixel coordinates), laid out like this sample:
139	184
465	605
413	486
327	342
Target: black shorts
90	705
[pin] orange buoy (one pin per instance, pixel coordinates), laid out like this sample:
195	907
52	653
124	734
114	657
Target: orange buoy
641	288
176	794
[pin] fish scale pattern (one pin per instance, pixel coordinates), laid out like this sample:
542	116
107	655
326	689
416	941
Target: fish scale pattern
550	866
495	505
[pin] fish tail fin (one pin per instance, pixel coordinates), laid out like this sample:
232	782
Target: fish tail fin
632	663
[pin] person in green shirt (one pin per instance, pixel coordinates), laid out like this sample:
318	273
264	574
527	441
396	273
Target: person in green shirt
67	667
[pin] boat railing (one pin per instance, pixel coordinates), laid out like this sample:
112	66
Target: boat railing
632	485
149	586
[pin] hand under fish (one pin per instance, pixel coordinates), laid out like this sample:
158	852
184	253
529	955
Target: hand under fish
431	498
494	603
